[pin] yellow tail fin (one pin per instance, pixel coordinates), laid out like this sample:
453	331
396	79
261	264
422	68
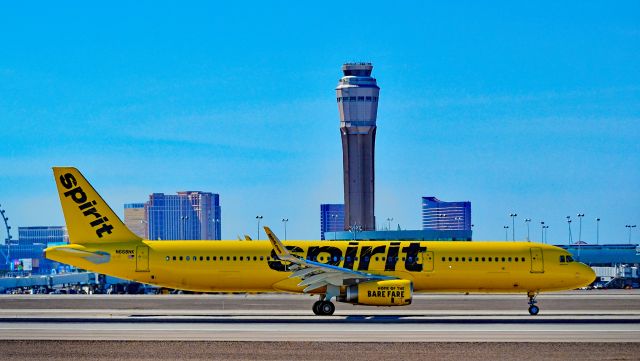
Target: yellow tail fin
89	219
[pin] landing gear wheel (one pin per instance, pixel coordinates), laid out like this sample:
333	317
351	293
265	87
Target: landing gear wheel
316	307
533	309
326	308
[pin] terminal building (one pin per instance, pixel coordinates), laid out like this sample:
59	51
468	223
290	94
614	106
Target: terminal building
331	218
26	254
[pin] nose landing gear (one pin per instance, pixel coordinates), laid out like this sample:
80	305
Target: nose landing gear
533	309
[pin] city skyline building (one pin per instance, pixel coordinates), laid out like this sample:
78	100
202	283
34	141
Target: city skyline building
357	97
188	215
440	215
331	218
26	254
135	218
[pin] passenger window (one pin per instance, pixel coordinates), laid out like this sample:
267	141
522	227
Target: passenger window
234	258
201	258
449	259
208	258
376	258
240	258
509	259
522	259
166	258
489	259
228	258
443	259
262	258
214	258
174	258
562	259
462	259
255	258
476	259
383	258
181	258
195	258
482	259
188	258
456	259
502	259
516	259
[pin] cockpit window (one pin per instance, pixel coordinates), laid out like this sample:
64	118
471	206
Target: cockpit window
569	259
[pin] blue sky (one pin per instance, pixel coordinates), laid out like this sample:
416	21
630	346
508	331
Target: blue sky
530	108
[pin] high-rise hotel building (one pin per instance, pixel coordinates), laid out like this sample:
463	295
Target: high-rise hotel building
187	215
446	216
357	96
331	218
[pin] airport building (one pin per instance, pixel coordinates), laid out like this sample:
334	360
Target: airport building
189	215
135	219
443	216
25	255
331	218
357	97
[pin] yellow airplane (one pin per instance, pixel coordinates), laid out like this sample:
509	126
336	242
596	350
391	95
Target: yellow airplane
377	273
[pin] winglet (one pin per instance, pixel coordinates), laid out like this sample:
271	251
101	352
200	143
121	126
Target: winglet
278	247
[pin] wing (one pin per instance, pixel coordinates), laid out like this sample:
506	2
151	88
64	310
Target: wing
315	274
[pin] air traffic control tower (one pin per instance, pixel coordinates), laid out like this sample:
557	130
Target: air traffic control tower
357	96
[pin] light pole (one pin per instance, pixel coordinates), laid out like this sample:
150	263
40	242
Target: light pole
569	223
335	220
597	230
630	226
544	228
440	215
527	221
580	215
513	225
258	218
506	233
458	219
389	220
183	221
542	231
285	220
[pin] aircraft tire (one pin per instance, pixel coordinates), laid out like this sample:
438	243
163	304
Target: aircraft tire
326	308
316	307
533	310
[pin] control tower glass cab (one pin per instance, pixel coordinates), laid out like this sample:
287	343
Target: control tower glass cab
357	97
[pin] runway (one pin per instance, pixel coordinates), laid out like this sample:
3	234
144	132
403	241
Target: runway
577	316
585	325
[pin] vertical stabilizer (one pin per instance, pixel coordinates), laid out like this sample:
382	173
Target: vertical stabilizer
89	219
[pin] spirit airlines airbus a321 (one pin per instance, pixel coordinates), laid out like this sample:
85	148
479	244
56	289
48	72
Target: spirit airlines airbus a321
376	273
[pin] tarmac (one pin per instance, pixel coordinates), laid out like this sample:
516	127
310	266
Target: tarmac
570	324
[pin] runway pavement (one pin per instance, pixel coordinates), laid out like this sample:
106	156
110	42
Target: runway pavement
578	316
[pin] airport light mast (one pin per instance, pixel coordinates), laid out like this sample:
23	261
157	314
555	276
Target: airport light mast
357	96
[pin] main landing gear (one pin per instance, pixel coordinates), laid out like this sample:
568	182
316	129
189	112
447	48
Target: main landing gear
533	309
323	308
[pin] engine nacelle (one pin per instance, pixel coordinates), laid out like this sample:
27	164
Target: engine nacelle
379	293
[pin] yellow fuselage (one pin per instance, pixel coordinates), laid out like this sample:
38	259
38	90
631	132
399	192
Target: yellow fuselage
250	266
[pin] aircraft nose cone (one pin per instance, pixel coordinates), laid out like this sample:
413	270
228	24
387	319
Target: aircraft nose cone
585	275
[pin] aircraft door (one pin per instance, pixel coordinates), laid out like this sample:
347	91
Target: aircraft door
537	261
427	262
142	259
